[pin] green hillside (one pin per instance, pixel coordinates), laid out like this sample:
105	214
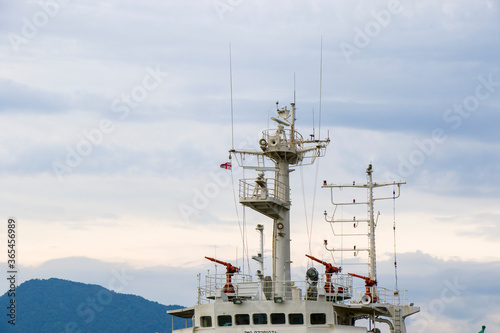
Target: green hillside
61	306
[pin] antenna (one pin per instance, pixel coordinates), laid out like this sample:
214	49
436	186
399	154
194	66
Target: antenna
313	135
320	85
231	89
370	186
293	87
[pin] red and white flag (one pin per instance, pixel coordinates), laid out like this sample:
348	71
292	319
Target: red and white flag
226	165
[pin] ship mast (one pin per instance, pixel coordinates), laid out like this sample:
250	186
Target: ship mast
370	185
284	147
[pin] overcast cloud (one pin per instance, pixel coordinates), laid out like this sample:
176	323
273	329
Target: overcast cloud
115	116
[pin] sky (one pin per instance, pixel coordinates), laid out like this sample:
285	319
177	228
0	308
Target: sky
115	117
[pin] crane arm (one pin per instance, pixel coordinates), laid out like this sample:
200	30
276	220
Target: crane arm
329	268
368	281
229	268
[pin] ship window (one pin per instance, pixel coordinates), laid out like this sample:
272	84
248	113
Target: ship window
295	318
259	318
318	318
277	318
225	320
206	321
242	319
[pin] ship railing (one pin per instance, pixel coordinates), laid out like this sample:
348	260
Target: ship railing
381	295
263	189
337	289
281	137
214	283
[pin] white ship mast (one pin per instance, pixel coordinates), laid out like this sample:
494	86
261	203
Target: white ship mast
371	295
369	186
271	196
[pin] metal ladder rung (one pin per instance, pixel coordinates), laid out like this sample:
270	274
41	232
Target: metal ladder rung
397	320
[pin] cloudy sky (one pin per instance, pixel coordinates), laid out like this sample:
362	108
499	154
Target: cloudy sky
115	117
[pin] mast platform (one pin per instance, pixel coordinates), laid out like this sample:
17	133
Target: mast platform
265	195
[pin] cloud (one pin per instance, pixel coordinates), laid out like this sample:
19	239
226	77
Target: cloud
448	291
380	107
148	282
19	97
484	225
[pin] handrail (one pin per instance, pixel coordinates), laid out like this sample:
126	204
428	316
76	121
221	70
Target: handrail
282	136
263	189
340	290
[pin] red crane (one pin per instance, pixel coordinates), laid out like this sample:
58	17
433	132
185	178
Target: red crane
230	270
329	270
369	283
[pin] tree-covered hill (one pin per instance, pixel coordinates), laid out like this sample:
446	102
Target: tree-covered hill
61	306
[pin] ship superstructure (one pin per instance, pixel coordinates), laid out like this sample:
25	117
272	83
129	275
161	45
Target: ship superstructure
234	302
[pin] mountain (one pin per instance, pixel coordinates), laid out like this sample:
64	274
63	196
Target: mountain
62	306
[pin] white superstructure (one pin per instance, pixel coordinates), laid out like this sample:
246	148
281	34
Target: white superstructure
328	302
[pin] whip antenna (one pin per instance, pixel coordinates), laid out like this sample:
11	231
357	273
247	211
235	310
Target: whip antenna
231	90
294	88
313	135
320	85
